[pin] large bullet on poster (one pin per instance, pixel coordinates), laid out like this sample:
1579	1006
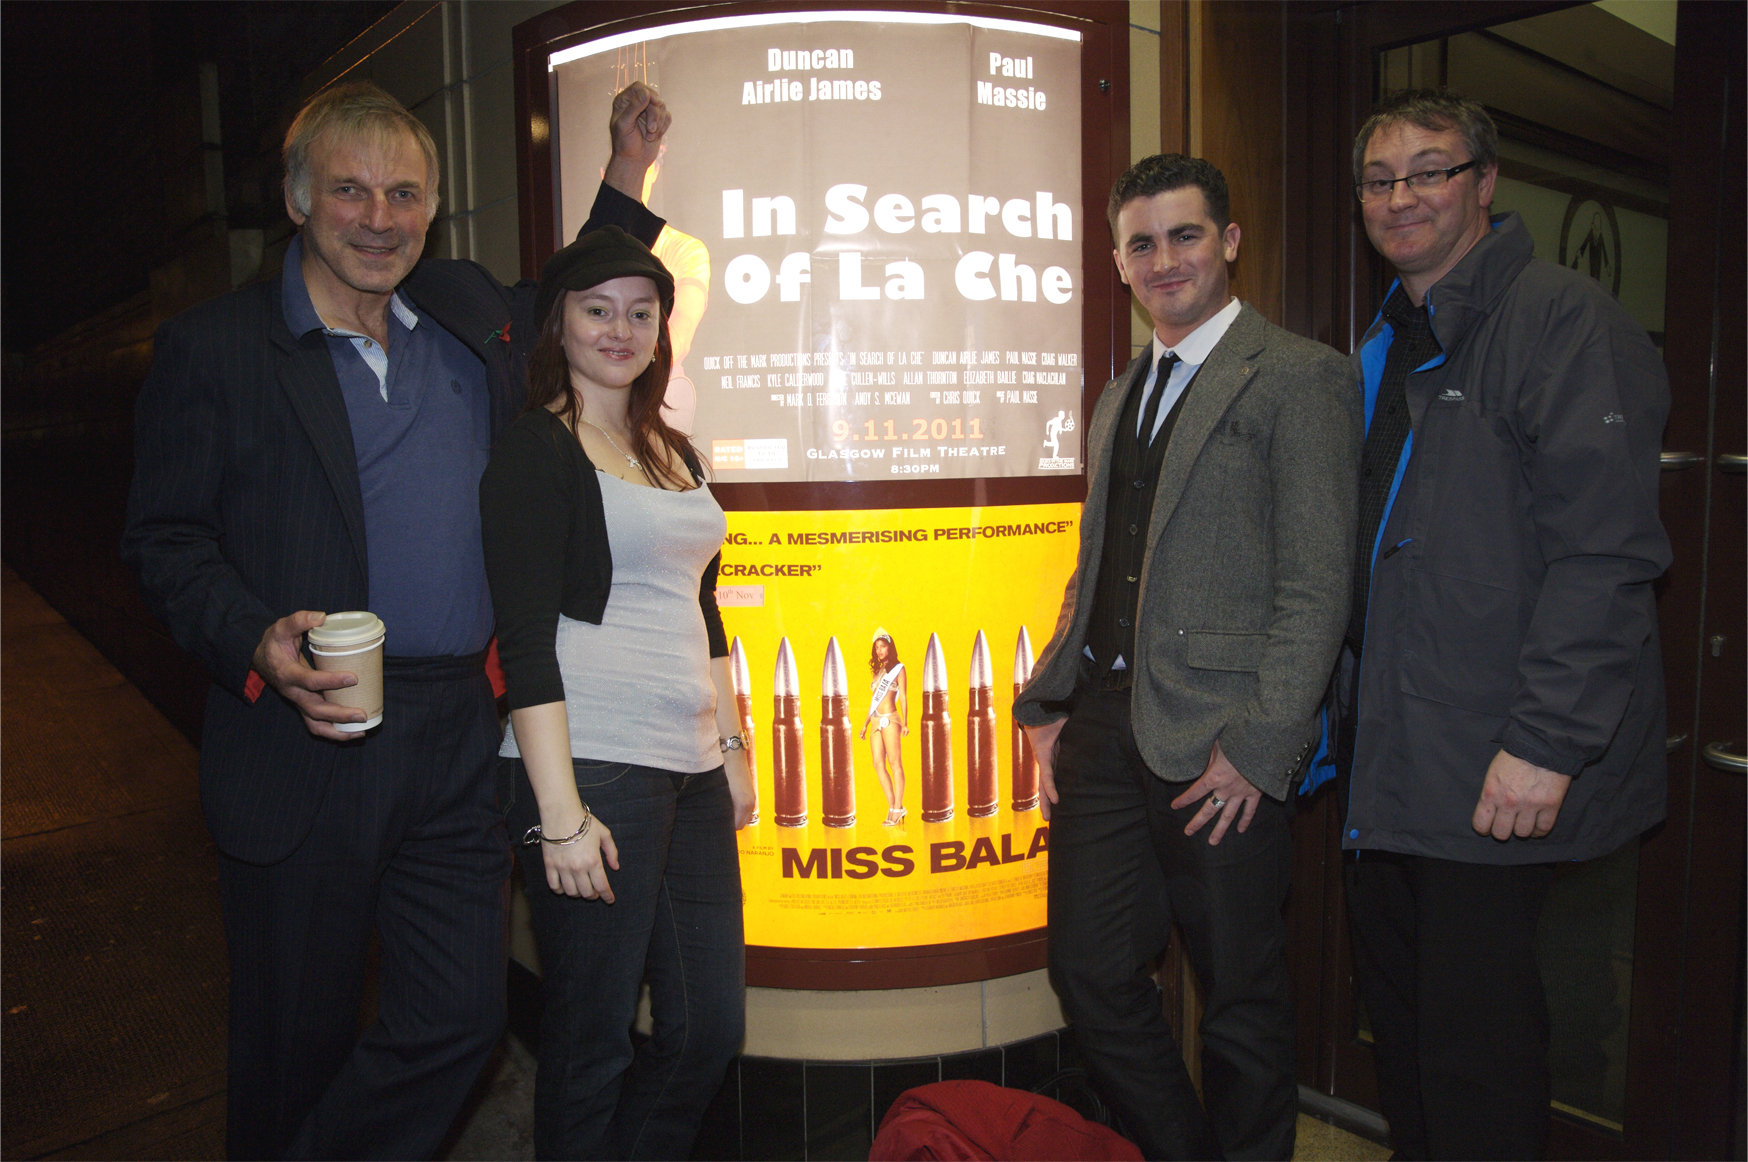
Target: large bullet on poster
981	794
741	681
936	727
1024	764
837	773
788	768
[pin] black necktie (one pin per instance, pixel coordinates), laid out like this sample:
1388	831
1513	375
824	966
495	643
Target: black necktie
1150	413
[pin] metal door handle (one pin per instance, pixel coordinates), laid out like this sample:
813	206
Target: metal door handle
1720	759
1732	462
1676	461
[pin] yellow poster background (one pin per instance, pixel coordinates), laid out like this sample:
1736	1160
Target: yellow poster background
812	576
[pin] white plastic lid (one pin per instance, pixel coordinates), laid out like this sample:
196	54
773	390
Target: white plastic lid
353	628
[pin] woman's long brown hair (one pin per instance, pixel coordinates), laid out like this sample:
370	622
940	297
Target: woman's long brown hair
549	379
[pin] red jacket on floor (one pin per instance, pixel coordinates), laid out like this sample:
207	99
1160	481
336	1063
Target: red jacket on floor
974	1119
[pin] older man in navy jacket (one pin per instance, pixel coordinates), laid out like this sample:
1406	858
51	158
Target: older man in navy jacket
314	443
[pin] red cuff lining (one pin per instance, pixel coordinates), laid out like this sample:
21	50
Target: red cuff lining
495	671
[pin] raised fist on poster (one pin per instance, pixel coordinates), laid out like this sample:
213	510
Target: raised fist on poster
637	124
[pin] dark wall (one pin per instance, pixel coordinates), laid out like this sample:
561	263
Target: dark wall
115	224
65	462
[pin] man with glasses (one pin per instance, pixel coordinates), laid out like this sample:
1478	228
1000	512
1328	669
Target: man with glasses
1500	694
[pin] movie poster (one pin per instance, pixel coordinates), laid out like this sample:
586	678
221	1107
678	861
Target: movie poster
876	239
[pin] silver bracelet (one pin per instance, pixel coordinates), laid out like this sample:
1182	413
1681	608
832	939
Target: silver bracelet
732	742
533	835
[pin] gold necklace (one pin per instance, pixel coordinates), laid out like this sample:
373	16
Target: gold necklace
629	459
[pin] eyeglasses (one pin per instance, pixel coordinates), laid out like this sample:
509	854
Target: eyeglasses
1431	179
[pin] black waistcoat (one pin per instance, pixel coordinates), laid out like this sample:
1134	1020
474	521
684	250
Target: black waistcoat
1134	479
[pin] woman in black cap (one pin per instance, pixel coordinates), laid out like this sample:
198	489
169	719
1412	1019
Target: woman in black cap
629	771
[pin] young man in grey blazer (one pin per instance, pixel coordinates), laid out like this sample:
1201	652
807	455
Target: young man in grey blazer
1177	701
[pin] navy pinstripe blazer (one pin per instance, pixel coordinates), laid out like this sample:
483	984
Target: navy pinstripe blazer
245	506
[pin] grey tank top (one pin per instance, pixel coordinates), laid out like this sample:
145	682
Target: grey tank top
637	687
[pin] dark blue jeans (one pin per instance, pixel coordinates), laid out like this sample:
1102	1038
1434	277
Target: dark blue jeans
675	923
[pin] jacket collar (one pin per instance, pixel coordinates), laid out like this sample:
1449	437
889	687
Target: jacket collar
305	373
1469	292
1226	372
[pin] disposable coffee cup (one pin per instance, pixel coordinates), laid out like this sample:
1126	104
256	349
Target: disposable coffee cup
353	642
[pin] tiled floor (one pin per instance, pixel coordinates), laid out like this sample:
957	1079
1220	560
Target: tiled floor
113	967
1320	1142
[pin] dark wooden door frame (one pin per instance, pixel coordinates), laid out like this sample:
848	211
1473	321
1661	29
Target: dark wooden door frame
1686	1011
1696	904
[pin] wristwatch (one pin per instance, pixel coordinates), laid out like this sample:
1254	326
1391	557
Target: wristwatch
732	742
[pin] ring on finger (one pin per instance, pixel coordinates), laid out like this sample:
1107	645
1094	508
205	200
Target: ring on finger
1217	801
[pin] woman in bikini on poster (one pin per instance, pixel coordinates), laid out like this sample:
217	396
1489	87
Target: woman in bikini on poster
889	715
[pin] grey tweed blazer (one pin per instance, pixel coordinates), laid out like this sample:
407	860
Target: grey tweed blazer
1244	587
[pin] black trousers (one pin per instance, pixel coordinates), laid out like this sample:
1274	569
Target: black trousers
409	843
1444	954
1121	870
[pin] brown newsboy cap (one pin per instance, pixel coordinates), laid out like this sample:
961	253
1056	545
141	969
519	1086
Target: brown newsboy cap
597	257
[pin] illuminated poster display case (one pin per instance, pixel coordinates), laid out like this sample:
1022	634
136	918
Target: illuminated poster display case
895	306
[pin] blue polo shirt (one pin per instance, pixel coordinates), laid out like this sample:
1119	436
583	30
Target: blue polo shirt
421	432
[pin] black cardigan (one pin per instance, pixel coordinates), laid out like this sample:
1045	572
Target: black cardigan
545	534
